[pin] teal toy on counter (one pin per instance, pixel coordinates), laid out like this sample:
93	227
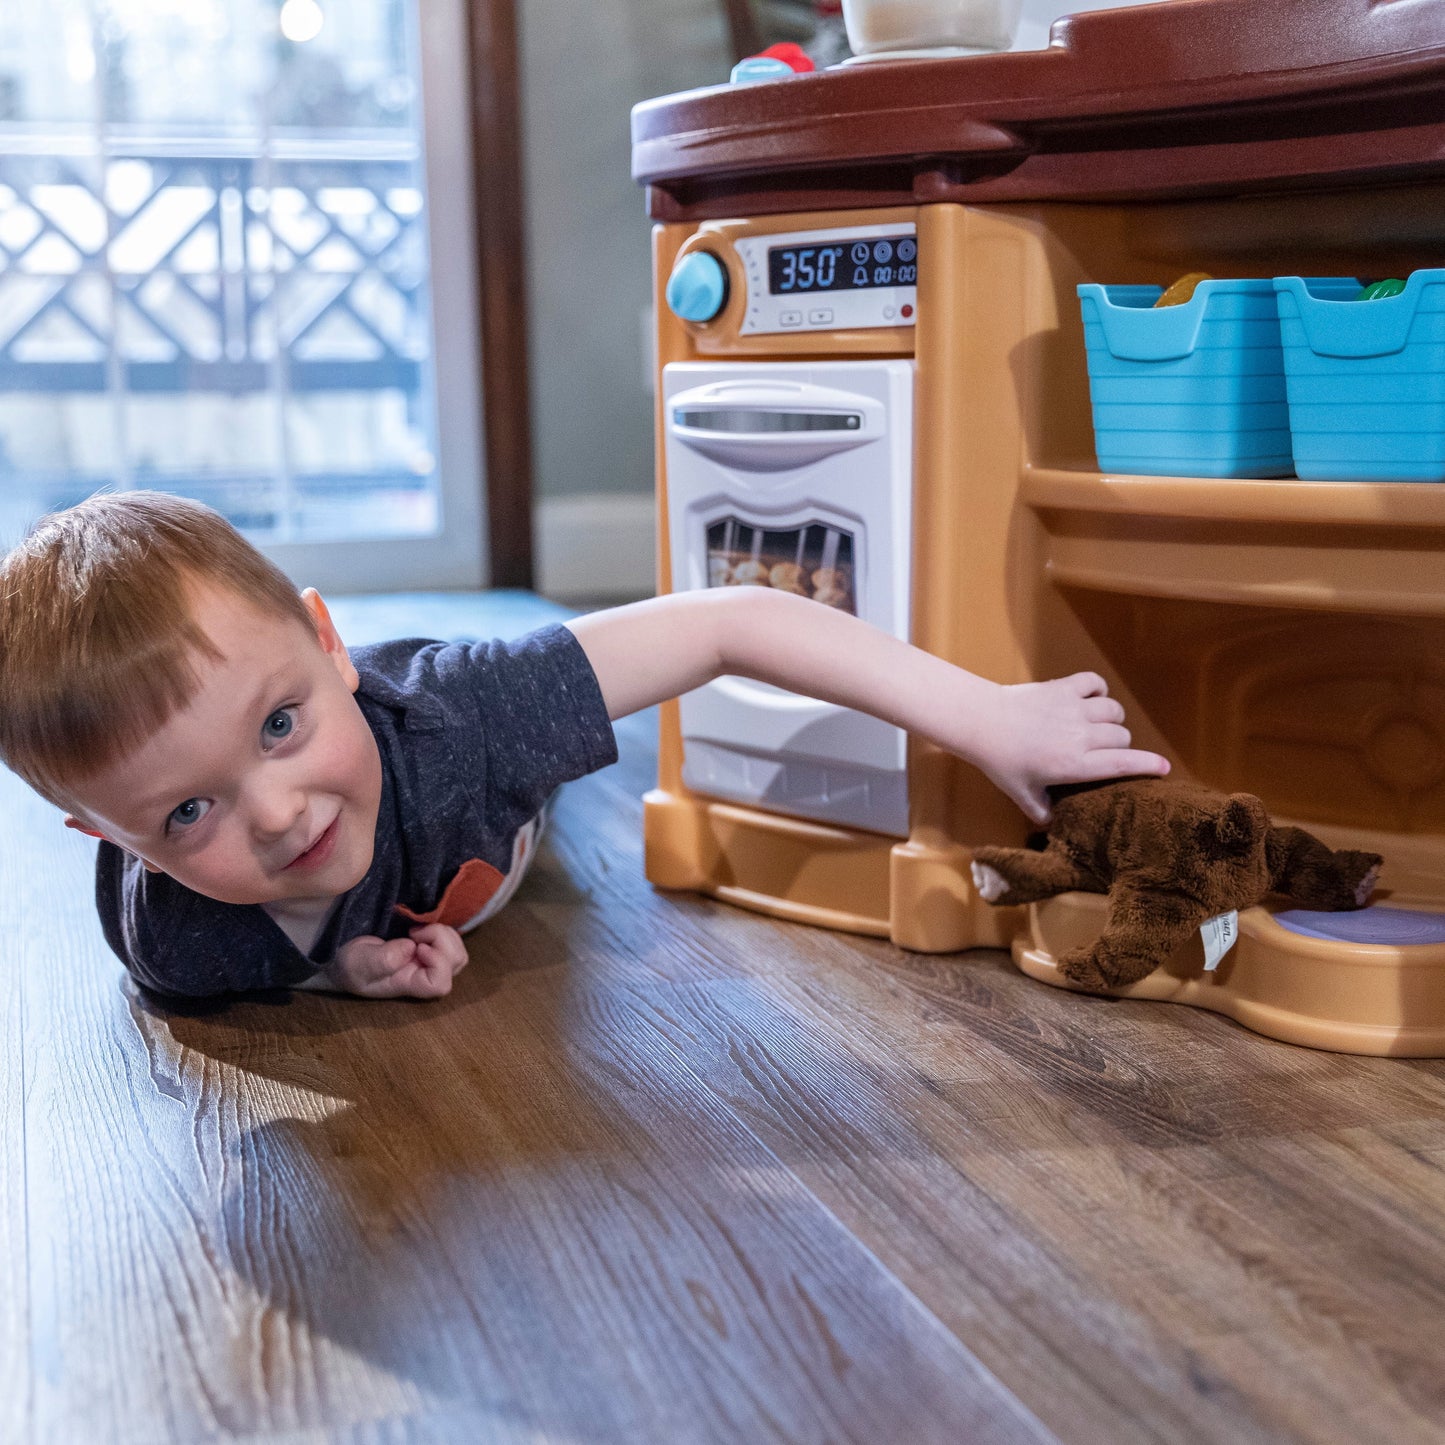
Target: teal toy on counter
778	62
1365	374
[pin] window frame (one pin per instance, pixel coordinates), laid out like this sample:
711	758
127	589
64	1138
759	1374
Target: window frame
457	555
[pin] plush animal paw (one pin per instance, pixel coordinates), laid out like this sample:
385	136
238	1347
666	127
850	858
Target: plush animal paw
990	883
1371	863
1080	966
1099	970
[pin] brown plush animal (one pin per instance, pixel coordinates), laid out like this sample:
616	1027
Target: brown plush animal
1169	855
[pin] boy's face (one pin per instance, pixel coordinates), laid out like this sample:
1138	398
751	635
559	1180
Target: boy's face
264	789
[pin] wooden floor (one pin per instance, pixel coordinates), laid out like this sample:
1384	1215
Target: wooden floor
664	1171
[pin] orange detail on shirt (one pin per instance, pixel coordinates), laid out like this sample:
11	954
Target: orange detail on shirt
465	897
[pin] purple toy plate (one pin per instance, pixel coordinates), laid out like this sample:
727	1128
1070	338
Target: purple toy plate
1397	926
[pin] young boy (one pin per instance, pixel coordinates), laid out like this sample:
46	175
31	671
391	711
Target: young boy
274	812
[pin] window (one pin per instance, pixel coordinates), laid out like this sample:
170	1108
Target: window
217	275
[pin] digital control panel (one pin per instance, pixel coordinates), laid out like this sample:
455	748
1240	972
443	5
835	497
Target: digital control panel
835	280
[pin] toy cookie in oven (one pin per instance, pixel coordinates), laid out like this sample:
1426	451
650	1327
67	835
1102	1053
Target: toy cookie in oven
814	561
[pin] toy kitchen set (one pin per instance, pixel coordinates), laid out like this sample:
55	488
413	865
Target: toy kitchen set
910	364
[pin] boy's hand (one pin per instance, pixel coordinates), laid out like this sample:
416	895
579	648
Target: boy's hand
1065	731
419	966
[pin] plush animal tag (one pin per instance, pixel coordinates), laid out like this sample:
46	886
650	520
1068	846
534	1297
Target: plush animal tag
1218	934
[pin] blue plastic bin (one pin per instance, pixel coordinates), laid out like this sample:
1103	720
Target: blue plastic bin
1187	391
1366	379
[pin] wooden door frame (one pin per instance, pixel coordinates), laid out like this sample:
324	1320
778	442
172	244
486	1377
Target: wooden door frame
498	208
745	35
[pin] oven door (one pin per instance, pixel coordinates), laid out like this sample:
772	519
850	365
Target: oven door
796	476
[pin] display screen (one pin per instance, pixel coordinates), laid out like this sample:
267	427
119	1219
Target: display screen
843	265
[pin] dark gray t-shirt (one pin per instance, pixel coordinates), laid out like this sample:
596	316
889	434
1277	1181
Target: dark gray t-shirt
474	737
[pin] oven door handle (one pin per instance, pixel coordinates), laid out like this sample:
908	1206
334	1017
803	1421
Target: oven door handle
765	425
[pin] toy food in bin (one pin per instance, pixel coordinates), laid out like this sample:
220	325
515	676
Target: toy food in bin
1189	390
1366	377
812	561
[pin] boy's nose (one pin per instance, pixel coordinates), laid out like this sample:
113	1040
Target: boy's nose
275	808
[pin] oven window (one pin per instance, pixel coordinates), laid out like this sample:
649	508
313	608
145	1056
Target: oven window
813	561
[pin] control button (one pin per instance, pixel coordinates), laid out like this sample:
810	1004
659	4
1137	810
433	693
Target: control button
905	312
820	317
790	318
698	287
757	68
889	313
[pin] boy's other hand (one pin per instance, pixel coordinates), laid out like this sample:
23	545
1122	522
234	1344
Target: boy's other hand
1068	730
419	966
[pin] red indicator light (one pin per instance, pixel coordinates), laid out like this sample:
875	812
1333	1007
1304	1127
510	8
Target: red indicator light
905	311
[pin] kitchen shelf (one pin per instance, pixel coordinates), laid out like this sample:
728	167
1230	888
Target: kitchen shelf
1287	499
1333	546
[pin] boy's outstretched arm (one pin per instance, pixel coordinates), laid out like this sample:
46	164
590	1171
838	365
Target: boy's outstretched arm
1023	737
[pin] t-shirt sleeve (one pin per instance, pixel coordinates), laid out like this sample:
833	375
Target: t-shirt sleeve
174	941
523	716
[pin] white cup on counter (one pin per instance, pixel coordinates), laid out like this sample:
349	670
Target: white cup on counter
880	28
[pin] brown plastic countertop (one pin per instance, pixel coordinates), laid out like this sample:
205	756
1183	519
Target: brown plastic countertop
1189	97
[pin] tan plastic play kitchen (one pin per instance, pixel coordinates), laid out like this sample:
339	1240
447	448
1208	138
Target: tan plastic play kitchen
891	285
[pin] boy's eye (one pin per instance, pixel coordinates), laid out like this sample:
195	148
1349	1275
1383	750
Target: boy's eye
281	724
189	812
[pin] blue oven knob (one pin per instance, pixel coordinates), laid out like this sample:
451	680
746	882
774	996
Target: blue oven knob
698	287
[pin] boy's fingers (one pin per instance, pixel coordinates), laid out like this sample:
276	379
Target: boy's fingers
448	943
1090	684
1035	805
397	953
1104	709
379	966
1124	763
433	982
1109	735
414	980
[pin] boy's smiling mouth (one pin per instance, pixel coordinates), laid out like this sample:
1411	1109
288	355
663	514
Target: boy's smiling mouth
319	851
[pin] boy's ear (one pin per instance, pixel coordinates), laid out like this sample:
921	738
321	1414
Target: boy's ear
329	638
71	821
